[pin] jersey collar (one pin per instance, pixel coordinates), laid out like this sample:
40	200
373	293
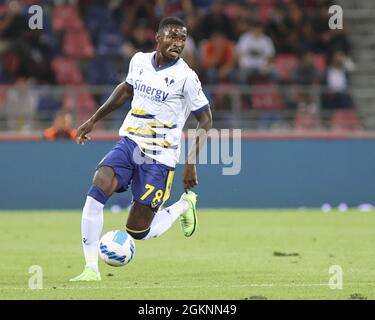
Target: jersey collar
157	68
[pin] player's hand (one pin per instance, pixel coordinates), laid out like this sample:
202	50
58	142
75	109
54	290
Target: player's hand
83	130
190	176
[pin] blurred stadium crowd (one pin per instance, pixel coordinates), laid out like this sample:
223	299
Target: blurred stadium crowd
264	64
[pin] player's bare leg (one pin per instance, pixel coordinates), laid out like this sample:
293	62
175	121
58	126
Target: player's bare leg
144	224
139	220
104	185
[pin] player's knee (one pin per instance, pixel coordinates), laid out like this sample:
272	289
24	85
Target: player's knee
139	221
103	179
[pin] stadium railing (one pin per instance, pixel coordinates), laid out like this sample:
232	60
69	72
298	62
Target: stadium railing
259	108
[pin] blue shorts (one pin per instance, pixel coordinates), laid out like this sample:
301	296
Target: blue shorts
150	181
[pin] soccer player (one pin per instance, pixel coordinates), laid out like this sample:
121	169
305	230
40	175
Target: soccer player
164	91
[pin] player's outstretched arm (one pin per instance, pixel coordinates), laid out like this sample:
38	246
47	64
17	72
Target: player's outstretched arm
190	172
119	96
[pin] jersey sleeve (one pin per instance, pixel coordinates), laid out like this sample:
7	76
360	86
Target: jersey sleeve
193	92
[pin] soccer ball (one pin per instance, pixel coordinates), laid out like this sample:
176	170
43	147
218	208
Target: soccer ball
116	248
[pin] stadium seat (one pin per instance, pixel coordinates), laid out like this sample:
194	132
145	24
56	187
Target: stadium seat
320	62
97	18
78	44
345	120
285	64
30	2
307	121
3	9
109	43
266	96
231	10
47	107
11	63
66	71
101	71
3	96
267	120
264	11
79	101
3	75
66	18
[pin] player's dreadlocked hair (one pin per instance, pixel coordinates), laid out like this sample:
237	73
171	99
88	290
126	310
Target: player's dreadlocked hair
167	21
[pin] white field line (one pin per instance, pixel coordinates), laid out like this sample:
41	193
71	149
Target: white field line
251	285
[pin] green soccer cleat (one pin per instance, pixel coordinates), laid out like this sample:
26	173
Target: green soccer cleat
189	219
87	275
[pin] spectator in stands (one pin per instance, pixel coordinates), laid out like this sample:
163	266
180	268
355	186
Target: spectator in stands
337	83
12	28
215	21
339	41
241	20
291	27
21	104
306	38
138	10
321	27
203	5
306	76
277	28
138	41
329	41
61	129
35	56
12	24
173	7
294	21
218	59
283	27
24	51
3	73
189	54
193	24
306	73
255	52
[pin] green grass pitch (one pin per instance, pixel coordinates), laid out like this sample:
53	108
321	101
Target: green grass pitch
235	254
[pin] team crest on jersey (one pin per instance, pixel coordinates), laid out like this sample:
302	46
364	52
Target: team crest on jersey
140	71
169	81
